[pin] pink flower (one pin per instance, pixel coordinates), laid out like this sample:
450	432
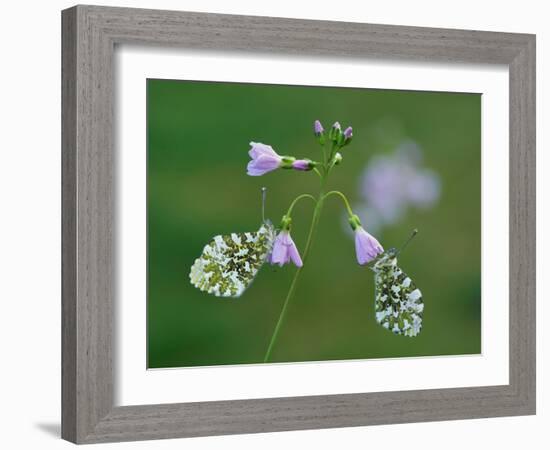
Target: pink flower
366	246
284	250
264	159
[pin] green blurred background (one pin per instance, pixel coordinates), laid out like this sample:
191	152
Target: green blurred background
198	139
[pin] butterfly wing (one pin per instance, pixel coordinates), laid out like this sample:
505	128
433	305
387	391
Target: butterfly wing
398	302
229	263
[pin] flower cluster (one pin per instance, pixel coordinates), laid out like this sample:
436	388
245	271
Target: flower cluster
264	159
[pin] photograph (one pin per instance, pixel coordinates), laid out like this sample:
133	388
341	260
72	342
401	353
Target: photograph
291	224
275	225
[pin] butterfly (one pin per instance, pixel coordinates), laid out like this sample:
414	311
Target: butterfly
229	263
398	302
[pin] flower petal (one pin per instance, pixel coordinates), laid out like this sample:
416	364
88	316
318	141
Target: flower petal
258	149
262	165
366	246
284	250
295	256
278	255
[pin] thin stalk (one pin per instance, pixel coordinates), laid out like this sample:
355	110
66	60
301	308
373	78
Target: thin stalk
297	199
344	199
312	228
324	155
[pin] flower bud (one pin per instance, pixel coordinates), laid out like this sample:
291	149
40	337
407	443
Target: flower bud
335	132
337	158
319	132
318	128
348	132
303	164
341	140
348	135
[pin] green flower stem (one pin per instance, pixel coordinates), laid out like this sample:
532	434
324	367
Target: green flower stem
327	166
344	198
297	199
314	221
324	155
330	163
333	147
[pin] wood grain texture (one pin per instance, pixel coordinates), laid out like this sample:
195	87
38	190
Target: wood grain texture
68	225
90	34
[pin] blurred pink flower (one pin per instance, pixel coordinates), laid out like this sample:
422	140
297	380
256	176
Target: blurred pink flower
393	183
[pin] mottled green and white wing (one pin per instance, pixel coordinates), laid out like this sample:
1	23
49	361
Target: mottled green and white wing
229	263
398	302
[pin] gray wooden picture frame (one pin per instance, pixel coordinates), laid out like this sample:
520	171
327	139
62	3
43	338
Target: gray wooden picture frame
90	34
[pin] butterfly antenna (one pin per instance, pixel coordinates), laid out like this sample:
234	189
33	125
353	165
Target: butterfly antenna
407	242
264	192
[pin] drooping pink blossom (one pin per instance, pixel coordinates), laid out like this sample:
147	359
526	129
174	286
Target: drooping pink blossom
367	246
284	250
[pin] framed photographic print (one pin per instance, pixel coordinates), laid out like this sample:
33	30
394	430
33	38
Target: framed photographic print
269	227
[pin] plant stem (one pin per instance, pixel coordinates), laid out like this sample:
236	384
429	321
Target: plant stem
312	228
328	164
297	199
344	199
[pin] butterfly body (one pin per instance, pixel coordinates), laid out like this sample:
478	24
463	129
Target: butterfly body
229	263
398	302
